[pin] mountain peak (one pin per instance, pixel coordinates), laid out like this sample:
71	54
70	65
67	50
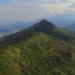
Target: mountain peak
44	26
44	21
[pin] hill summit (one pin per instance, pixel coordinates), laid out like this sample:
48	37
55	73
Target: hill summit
44	26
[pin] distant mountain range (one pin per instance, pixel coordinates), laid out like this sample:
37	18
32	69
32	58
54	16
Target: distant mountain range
12	28
62	20
71	27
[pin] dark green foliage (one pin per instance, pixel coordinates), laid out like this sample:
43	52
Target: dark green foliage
39	55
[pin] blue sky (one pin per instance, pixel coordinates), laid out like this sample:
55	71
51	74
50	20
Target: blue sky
29	10
4	2
36	1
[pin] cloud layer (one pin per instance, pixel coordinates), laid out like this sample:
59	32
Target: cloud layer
28	10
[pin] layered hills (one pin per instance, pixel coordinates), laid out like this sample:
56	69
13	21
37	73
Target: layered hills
71	27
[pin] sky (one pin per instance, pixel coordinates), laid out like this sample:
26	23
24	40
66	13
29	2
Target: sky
29	10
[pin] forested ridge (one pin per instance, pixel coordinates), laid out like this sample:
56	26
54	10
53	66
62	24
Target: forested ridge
38	50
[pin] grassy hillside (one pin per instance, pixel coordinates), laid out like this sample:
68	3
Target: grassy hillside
38	55
38	50
67	32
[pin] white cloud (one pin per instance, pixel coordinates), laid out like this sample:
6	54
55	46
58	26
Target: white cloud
31	12
22	10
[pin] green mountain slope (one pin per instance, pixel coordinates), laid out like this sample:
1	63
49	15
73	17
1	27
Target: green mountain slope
40	54
67	32
39	50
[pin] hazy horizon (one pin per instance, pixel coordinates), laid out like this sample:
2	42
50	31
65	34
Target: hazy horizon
31	10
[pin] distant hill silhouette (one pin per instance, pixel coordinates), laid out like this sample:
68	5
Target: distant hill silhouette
71	27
